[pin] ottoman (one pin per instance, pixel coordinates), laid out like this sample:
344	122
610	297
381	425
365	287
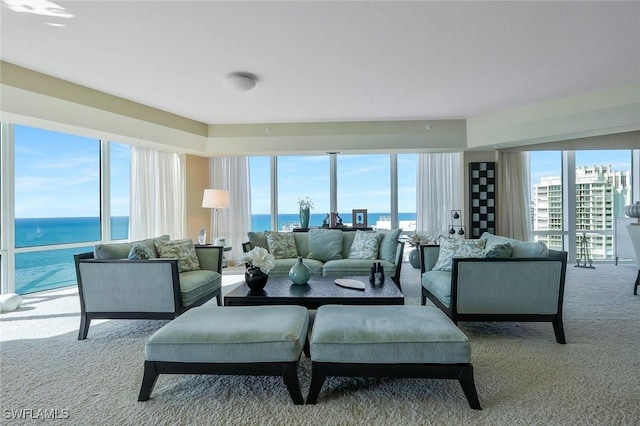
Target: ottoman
389	341
245	340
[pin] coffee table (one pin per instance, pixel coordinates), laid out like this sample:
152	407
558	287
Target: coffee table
317	292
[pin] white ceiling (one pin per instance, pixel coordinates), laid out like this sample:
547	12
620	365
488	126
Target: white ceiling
329	61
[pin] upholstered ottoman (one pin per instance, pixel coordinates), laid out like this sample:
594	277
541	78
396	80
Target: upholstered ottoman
247	340
389	341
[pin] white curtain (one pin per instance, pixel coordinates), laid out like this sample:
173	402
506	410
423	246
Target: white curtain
440	189
514	215
157	194
232	174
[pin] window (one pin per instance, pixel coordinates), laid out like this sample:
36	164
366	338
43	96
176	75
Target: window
300	177
601	187
364	182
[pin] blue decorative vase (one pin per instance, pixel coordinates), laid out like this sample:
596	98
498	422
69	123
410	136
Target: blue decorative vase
414	258
304	218
299	273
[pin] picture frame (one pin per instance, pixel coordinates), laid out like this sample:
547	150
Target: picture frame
359	218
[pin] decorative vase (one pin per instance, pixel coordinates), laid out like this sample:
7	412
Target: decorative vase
202	235
255	279
414	258
299	273
304	218
633	210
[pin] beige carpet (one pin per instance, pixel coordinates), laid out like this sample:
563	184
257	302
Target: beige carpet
523	377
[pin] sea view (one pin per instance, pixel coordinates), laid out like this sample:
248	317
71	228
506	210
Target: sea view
53	268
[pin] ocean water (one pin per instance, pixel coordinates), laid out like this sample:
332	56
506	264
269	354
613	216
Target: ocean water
49	269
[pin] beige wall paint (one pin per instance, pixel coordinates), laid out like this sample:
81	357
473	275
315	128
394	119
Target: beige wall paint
197	180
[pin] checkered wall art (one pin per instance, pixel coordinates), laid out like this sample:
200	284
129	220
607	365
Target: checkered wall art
482	198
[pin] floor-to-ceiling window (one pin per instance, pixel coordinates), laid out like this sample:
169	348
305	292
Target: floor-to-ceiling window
363	181
602	182
57	204
300	177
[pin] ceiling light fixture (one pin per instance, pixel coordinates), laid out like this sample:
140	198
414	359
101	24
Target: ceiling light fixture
240	82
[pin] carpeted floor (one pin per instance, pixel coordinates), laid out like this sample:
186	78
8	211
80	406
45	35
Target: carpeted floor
522	375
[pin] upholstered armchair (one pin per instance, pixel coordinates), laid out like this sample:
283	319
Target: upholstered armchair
122	288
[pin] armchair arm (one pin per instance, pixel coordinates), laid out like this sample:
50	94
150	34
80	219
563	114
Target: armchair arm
428	257
210	257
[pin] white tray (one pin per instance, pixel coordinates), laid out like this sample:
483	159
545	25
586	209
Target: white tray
349	283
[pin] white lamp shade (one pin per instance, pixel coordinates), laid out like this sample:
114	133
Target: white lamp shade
215	199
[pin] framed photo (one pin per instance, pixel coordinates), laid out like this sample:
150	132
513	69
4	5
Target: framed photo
359	218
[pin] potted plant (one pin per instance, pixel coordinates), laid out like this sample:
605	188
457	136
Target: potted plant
259	262
305	205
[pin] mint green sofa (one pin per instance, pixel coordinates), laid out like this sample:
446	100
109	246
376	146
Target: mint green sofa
527	286
389	256
111	286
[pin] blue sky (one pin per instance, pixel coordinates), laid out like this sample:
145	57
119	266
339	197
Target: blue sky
58	175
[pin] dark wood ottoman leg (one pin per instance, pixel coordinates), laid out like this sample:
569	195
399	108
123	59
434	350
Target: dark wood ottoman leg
290	376
148	380
317	380
469	387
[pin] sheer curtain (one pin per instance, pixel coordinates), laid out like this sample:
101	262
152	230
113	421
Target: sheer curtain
157	194
232	174
514	216
440	191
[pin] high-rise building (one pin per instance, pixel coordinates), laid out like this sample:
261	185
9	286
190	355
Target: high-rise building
601	194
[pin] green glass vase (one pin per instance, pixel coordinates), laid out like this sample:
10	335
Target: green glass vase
299	273
304	218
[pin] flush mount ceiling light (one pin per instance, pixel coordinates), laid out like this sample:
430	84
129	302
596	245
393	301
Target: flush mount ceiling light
240	82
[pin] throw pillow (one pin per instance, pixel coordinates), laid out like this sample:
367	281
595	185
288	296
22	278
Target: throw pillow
258	239
141	251
183	250
454	247
282	245
498	250
325	244
365	245
389	244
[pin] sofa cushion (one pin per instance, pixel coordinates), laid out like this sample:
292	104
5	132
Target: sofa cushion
388	244
258	239
365	245
518	248
325	244
347	241
141	251
302	243
439	284
197	284
455	247
183	250
345	267
498	250
282	245
121	250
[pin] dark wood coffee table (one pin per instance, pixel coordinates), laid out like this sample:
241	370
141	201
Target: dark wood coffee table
317	292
